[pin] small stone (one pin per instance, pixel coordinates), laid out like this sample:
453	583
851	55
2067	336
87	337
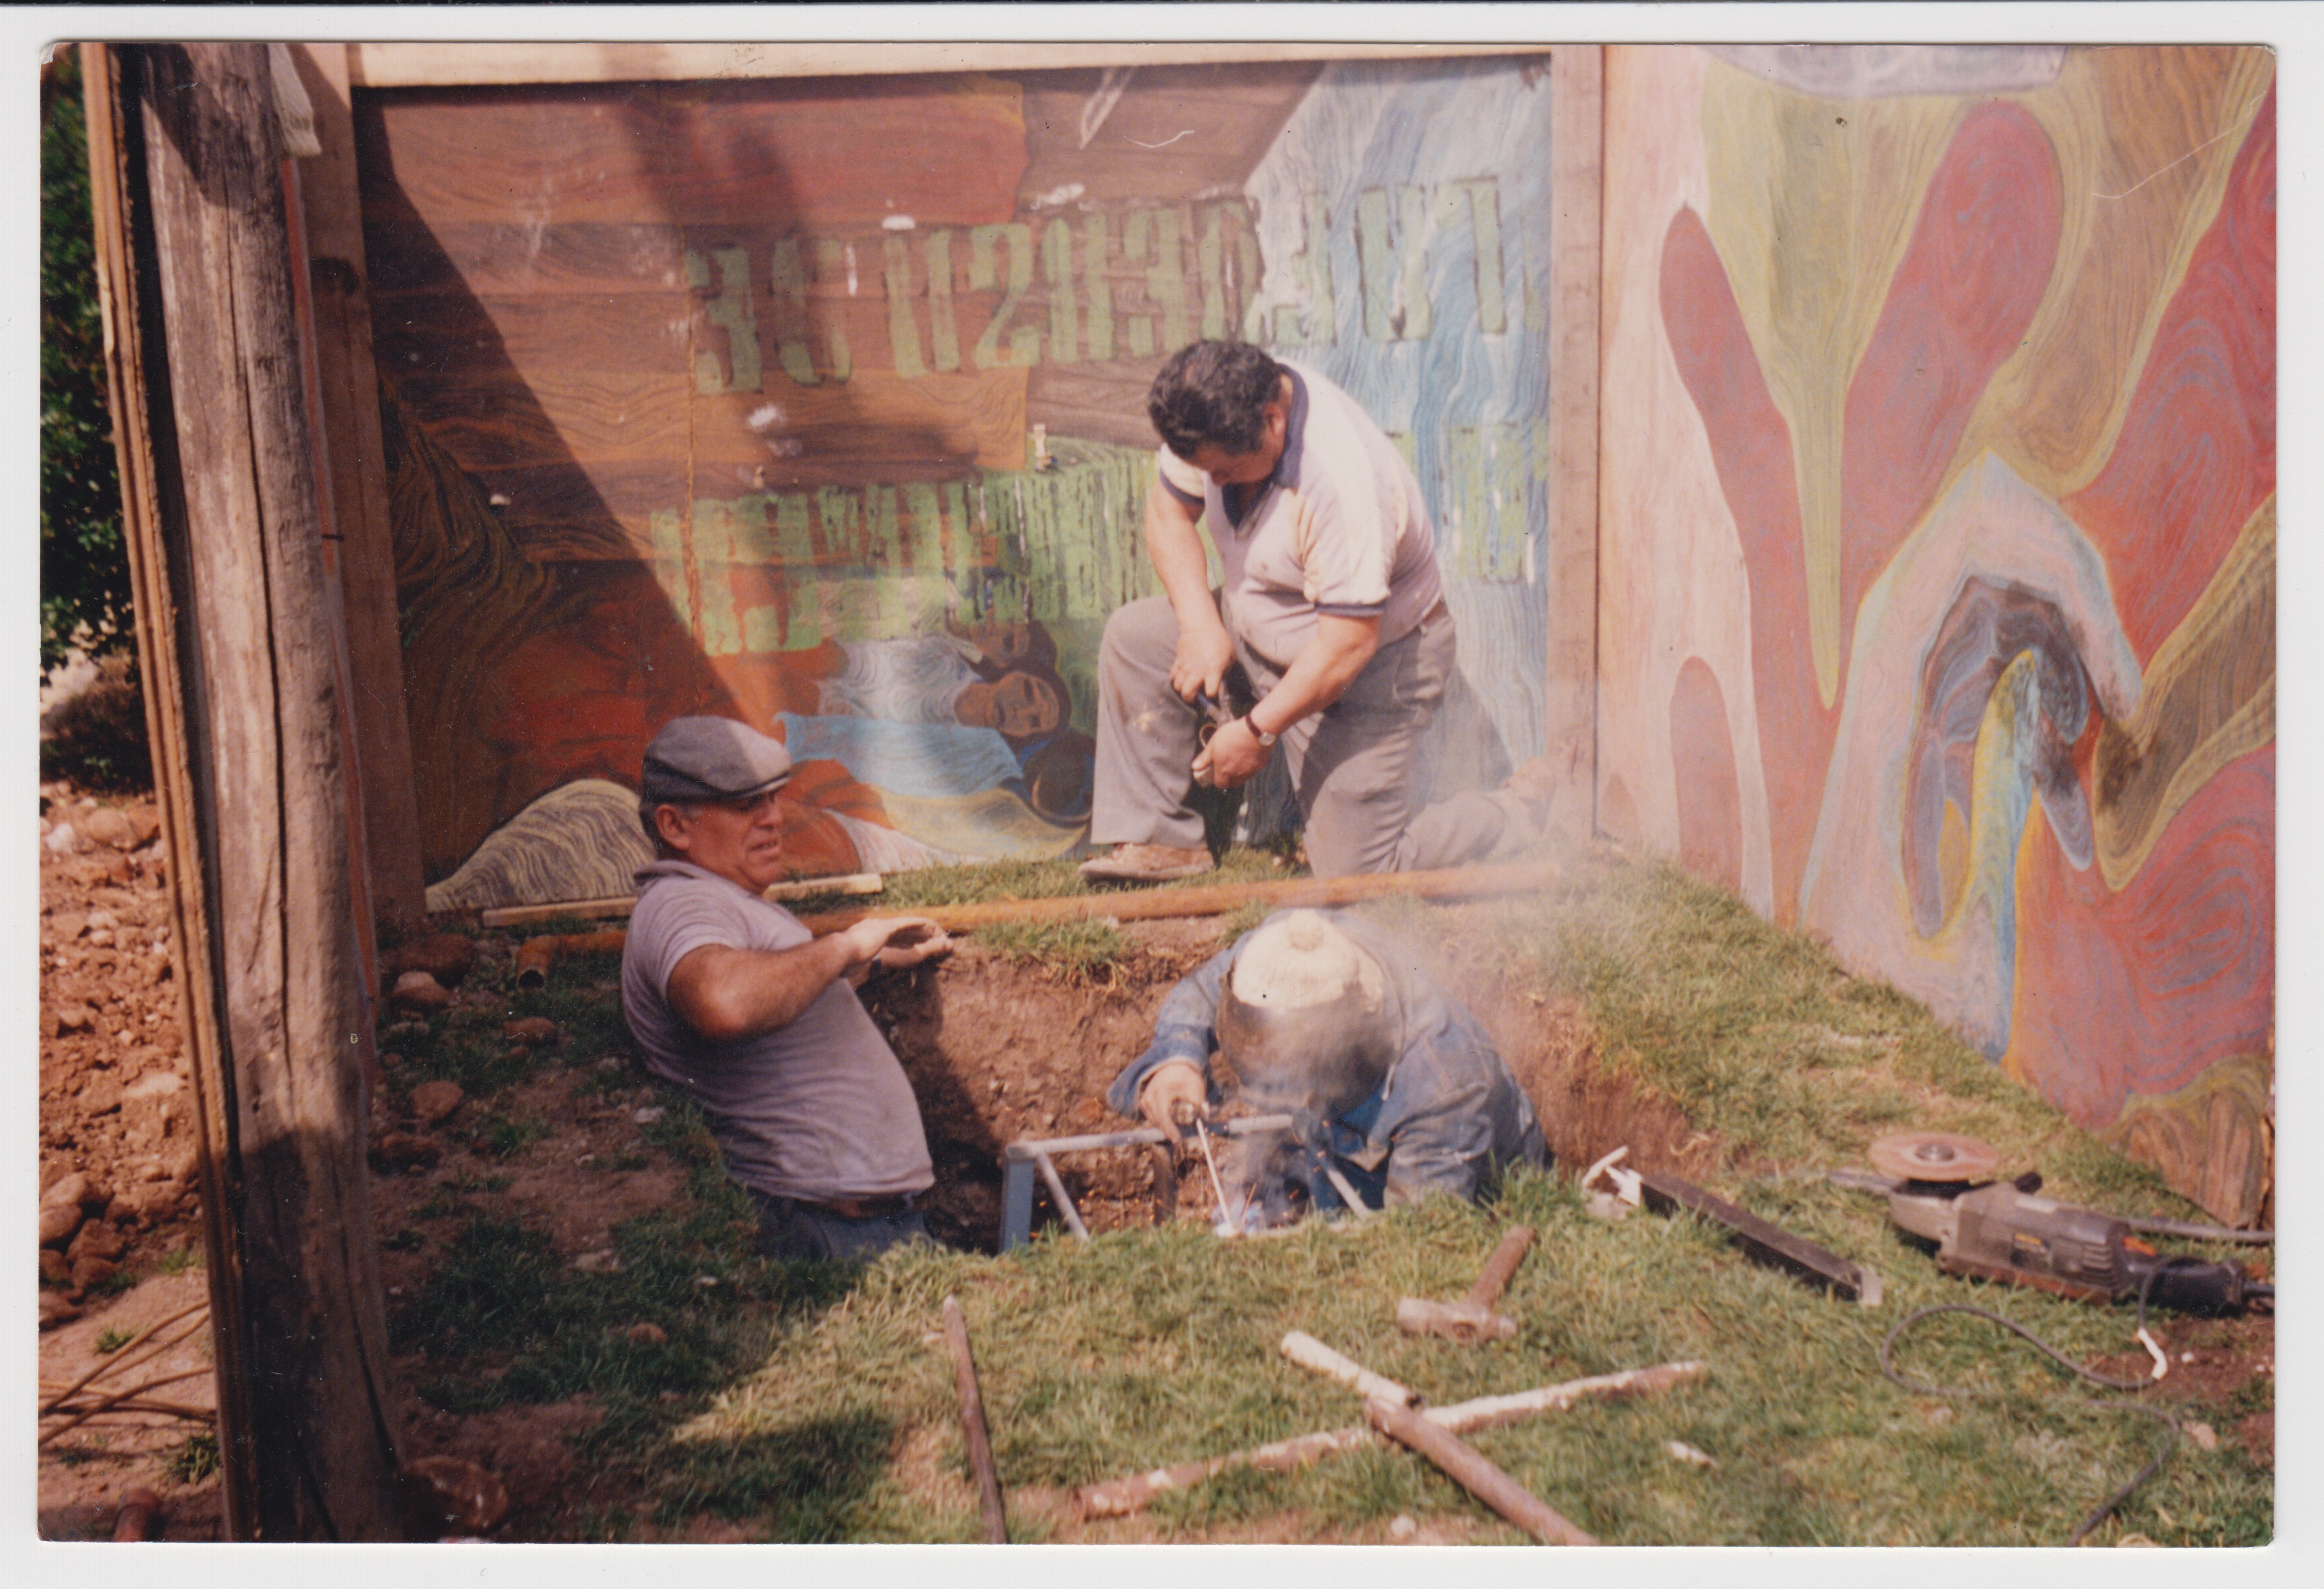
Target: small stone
59	1222
63	840
67	1017
92	1271
1687	1454
110	827
104	918
647	1335
432	1100
1402	1528
2203	1434
418	993
518	1055
73	1187
147	822
98	1238
447	956
534	1031
648	1114
444	1495
407	1029
604	1261
403	1150
54	1270
100	938
68	926
55	1310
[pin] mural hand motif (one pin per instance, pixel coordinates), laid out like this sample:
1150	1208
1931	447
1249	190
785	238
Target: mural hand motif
2007	607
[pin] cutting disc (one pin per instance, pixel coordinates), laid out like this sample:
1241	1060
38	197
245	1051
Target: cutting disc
1933	1155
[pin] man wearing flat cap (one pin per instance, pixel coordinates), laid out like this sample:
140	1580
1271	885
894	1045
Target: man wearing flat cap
733	1000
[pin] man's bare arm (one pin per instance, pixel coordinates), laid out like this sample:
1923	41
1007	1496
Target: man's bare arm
725	994
1175	544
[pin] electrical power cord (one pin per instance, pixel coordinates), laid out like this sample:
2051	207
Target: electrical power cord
2170	1428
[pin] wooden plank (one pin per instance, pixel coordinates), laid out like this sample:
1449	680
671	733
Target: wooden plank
1570	711
349	392
255	594
1175	131
404	65
822	156
145	446
805	887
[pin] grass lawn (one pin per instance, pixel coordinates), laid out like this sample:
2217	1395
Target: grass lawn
806	1403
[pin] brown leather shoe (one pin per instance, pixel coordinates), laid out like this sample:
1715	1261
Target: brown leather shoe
1147	864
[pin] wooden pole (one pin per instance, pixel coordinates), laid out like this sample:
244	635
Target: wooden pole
236	540
1120	1497
972	1432
1576	248
1466	1466
1150	904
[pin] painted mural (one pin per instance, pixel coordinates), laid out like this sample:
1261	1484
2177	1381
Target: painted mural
821	404
1936	597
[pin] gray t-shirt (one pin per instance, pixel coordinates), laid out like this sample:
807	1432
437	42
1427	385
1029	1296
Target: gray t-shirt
816	1110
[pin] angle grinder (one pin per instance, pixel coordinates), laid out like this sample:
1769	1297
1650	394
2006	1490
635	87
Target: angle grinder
1943	1189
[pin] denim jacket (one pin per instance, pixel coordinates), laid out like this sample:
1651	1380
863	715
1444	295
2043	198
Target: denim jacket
1447	1113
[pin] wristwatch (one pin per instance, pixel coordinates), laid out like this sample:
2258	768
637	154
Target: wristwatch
1266	739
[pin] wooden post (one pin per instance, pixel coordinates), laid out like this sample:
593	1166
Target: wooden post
1576	172
1473	1471
972	1432
234	635
349	390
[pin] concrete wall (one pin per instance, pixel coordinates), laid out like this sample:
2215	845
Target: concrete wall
1937	568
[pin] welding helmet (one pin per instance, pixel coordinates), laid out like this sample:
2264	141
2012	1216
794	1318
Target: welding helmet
1303	1020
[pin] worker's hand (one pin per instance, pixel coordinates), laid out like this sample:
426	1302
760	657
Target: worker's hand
1200	667
869	937
1174	1094
900	955
1232	759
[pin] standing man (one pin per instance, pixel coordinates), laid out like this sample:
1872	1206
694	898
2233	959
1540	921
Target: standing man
734	1000
1331	612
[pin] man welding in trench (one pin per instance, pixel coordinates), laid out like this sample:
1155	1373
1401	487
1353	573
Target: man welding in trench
1394	1089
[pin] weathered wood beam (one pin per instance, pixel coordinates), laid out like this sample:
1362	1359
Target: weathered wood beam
1576	174
237	536
348	388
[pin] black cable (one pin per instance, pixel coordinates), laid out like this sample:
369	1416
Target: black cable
2170	1428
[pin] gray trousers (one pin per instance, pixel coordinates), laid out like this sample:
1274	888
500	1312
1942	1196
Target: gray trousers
1352	765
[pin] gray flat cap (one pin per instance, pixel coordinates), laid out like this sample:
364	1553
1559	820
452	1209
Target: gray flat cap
710	759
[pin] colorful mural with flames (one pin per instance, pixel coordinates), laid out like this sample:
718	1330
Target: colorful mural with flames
1937	597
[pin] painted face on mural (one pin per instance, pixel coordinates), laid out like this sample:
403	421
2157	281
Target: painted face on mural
1018	705
742	841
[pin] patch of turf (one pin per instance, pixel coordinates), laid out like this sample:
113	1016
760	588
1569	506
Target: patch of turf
1082	950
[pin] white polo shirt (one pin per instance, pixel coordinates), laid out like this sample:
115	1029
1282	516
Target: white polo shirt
1339	528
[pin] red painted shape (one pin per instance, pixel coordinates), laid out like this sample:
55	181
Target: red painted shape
2142	991
1978	261
1751	449
2196	454
1702	756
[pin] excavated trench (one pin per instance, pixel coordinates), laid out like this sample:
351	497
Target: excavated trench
1000	1048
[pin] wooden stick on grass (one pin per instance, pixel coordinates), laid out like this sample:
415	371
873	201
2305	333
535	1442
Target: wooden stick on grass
1120	1497
972	1426
1467	1466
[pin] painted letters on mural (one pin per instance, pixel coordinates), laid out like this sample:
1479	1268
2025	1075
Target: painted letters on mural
822	404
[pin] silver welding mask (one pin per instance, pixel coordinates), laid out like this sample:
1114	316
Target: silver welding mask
1303	1020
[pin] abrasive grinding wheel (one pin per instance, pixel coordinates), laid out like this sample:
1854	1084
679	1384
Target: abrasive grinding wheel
1933	1155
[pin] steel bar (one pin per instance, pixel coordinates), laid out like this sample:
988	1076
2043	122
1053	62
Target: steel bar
974	1436
1764	1243
1120	1497
1057	1193
1017	1165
